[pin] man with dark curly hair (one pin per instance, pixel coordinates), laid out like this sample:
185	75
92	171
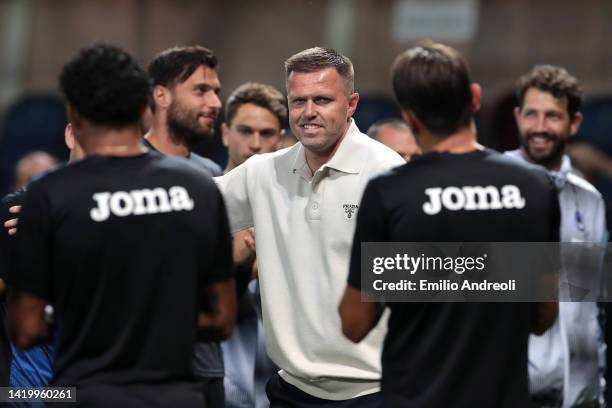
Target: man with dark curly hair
564	364
98	240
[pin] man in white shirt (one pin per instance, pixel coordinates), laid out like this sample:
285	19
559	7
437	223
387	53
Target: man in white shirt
564	364
302	202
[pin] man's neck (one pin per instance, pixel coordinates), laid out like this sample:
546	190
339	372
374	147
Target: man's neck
556	166
462	141
230	166
113	142
159	136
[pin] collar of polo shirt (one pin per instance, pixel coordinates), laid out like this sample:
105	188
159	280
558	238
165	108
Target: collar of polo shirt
344	160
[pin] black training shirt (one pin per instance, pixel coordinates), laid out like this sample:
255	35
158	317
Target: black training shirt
455	354
123	248
207	355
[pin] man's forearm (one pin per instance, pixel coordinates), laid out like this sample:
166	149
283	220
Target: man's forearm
27	325
543	317
358	318
217	324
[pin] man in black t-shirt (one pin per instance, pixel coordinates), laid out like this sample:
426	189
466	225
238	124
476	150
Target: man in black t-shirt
450	354
130	248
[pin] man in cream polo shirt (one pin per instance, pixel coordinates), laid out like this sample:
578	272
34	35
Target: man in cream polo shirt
303	202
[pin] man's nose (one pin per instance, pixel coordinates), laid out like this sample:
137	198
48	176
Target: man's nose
540	124
255	144
213	101
309	109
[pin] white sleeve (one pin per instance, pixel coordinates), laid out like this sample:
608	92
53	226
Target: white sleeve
234	187
600	233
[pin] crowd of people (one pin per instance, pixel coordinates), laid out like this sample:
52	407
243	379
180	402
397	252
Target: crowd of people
143	274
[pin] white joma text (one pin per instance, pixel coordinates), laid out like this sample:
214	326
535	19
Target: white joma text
140	202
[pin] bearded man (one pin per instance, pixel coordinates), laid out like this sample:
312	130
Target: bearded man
185	102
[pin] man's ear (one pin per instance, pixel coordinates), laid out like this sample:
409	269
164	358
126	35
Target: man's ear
517	115
352	102
224	134
413	122
69	136
575	124
476	96
162	96
74	118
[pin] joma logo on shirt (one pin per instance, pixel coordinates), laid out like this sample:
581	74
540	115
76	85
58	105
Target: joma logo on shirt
140	202
473	198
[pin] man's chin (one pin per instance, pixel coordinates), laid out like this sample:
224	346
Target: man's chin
312	145
202	134
190	134
543	158
538	156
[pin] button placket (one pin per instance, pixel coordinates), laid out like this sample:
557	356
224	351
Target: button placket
313	210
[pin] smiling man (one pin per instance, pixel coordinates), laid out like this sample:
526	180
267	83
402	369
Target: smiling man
302	203
185	102
548	114
563	363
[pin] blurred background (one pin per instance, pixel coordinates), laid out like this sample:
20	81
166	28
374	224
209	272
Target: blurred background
501	39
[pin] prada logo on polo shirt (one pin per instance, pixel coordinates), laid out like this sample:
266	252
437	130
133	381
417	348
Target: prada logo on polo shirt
140	202
349	210
471	198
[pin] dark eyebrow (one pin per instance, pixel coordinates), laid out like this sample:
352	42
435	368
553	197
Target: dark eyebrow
207	87
268	129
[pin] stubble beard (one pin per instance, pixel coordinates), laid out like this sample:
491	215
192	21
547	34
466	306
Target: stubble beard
184	128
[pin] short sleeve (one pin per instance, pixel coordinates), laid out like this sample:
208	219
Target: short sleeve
371	227
33	247
234	187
